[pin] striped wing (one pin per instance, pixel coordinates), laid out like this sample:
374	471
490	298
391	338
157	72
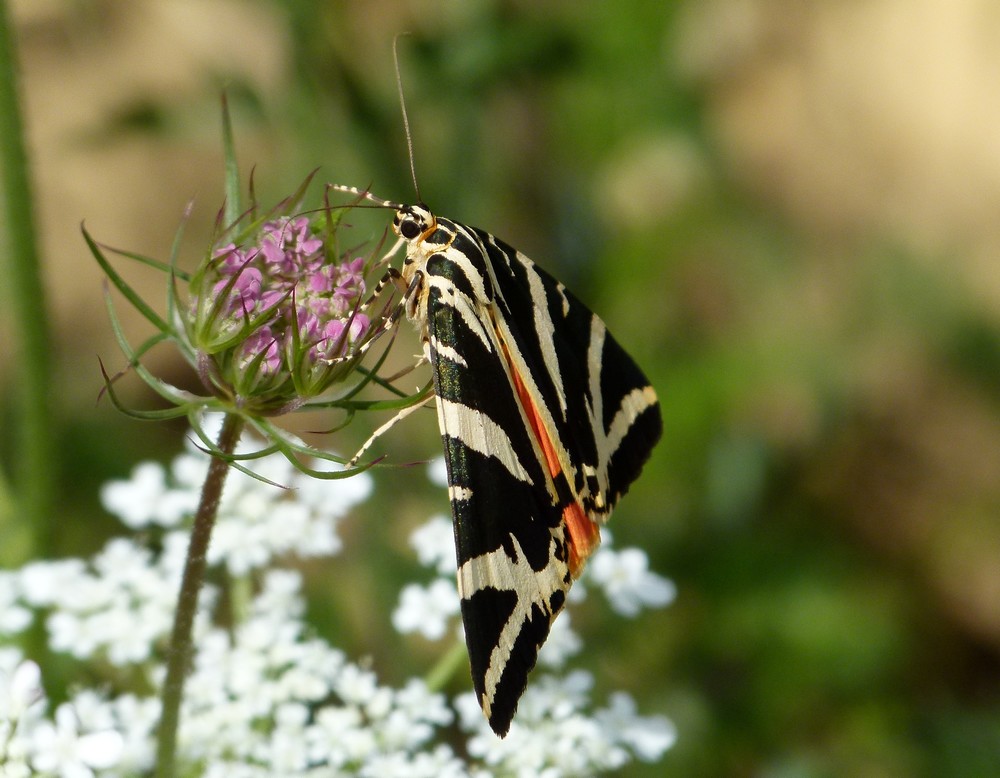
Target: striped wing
545	421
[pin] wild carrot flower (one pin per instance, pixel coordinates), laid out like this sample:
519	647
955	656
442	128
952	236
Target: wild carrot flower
268	695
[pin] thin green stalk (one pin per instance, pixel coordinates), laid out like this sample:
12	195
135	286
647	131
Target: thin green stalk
181	647
35	460
446	667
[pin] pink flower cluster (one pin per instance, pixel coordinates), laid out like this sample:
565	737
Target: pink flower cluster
295	299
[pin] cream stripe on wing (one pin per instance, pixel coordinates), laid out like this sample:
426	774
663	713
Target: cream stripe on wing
496	570
463	305
448	352
545	328
479	432
595	359
633	404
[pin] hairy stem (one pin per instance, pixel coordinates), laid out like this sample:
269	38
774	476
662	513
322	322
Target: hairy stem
181	639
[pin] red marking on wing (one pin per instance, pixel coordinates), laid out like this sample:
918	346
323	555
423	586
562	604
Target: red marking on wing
583	535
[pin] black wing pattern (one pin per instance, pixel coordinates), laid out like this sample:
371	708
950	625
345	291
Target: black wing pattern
545	421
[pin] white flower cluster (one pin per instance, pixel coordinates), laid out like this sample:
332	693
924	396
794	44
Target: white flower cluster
256	524
265	696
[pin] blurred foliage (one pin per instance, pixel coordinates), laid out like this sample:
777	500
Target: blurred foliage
826	494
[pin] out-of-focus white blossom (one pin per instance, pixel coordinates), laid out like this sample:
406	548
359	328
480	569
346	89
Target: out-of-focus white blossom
561	644
434	543
437	472
426	609
146	498
266	696
62	747
627	581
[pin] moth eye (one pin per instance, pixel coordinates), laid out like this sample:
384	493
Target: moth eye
409	229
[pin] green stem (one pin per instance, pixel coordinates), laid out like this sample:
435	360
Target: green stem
25	295
447	666
181	640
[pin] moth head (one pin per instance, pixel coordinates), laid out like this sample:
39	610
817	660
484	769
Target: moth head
413	222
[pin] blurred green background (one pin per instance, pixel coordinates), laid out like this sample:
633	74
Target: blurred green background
787	212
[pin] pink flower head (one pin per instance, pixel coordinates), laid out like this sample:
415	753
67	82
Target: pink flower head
324	280
359	327
260	341
338	337
245	292
351	275
288	248
299	308
231	258
310	325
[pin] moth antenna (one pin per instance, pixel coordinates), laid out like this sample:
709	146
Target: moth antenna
406	119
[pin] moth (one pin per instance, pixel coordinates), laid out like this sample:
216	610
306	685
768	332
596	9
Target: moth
545	422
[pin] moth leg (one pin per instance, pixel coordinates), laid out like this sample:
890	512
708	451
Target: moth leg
394	277
391	276
407	292
386	427
421	360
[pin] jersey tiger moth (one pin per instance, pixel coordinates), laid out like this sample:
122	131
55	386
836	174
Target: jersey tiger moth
545	421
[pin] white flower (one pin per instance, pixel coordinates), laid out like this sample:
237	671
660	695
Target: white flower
13	617
14	766
60	747
439	762
420	704
556	696
121	607
552	735
145	498
356	686
648	737
258	521
334	497
426	609
133	500
24	689
266	696
627	581
123	563
437	472
21	704
42	583
342	736
434	543
93	714
561	644
287	750
136	719
252	529
189	469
